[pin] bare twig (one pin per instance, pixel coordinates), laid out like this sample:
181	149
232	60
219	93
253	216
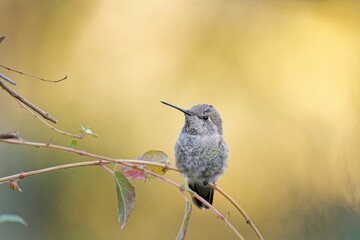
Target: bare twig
243	213
7	79
21	141
33	76
10	135
27	103
49	125
101	163
49	170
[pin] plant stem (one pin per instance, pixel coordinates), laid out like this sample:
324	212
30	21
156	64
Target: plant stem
22	105
99	163
21	141
27	103
217	213
49	170
243	213
13	138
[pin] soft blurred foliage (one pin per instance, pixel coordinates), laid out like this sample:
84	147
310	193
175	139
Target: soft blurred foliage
283	74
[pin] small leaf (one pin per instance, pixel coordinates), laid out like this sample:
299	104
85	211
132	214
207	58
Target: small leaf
185	223
86	131
12	218
150	156
73	143
134	174
2	38
126	197
155	156
89	132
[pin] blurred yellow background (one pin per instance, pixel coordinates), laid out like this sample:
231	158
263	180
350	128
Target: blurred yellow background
283	75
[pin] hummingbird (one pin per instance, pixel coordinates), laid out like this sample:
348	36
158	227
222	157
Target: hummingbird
200	151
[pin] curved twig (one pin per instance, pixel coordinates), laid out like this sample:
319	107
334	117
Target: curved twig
33	76
243	213
22	175
48	124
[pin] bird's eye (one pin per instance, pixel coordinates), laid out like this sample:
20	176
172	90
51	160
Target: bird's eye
205	117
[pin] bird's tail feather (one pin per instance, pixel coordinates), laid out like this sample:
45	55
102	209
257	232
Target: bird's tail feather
206	192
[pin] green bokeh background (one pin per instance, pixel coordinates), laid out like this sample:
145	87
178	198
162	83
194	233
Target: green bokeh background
283	74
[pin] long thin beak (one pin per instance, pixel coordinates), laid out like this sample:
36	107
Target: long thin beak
180	109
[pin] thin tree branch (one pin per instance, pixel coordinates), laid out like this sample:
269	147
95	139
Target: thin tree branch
49	170
21	141
27	103
243	213
7	79
182	188
49	125
9	135
33	76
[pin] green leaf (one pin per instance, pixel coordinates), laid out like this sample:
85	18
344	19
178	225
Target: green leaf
185	223
155	156
140	173
12	218
126	197
73	143
86	131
